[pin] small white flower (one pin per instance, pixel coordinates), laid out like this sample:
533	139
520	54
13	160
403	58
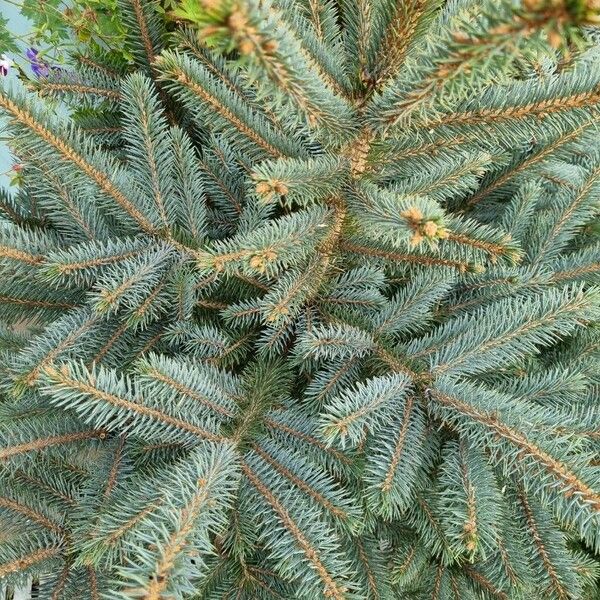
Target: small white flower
5	64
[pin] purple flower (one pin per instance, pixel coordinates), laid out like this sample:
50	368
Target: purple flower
5	65
40	68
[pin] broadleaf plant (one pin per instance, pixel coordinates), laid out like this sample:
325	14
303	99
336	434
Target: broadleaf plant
302	303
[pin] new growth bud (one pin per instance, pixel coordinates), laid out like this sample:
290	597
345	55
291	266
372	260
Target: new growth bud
267	190
423	228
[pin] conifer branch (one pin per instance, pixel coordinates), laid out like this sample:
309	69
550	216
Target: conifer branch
68	201
92	63
557	586
313	441
572	274
535	159
55	440
227	114
28	378
24	562
29	513
484	583
540	109
567	480
112	340
114	468
61	583
182	73
65	381
143	27
101	179
176	543
20	256
583	194
386	485
399	36
93	583
300	484
39	484
394	256
50	87
494	251
33	303
332	589
62	267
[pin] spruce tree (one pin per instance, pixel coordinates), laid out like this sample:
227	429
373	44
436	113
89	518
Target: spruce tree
300	304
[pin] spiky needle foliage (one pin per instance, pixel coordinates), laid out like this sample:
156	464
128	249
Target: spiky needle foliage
306	308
